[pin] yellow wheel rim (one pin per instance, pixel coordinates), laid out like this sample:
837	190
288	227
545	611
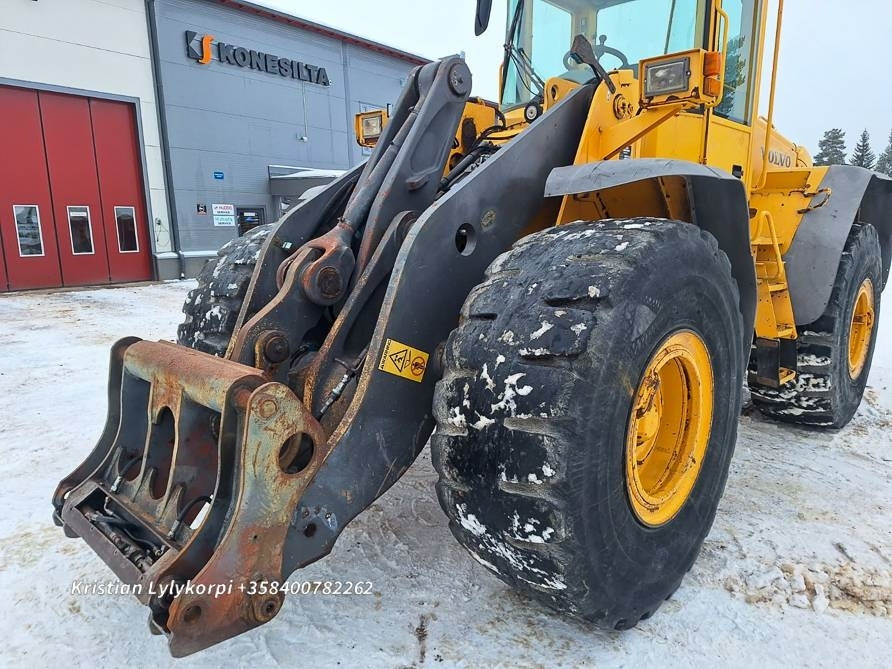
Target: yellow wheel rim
861	329
669	428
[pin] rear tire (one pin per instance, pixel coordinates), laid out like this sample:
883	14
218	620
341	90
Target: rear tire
212	308
825	393
534	407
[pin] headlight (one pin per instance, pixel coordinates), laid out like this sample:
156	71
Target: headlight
673	76
372	126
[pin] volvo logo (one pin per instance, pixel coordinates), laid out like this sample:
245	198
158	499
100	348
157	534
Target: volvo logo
780	159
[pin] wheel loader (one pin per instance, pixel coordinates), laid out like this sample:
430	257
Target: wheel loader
569	289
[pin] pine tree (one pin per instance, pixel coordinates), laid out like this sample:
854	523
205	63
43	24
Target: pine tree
884	163
832	149
863	156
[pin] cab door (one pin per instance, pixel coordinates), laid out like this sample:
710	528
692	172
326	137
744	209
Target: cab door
730	136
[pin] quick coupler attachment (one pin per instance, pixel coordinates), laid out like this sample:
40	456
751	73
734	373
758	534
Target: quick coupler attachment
190	491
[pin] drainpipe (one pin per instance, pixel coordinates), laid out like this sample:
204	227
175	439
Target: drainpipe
165	146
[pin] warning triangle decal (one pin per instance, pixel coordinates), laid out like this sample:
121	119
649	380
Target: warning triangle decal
400	358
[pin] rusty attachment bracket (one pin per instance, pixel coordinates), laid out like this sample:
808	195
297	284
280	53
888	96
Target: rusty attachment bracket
189	492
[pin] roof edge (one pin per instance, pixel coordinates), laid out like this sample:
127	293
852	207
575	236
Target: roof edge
321	29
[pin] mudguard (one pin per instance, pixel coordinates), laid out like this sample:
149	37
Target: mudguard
857	195
718	205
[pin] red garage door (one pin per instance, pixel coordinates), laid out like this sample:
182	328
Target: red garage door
72	205
26	213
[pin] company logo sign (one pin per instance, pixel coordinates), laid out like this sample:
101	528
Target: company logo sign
203	49
780	159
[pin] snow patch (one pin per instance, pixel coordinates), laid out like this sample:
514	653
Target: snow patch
546	326
487	379
507	337
506	399
482	422
469	521
456	418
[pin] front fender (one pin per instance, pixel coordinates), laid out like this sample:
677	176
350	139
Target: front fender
718	204
857	195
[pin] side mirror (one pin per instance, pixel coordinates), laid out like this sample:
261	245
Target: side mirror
481	21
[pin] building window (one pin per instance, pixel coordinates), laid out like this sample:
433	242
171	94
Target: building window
27	229
125	220
81	230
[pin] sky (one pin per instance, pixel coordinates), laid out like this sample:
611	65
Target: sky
831	72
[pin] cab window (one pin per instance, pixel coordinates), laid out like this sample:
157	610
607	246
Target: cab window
737	103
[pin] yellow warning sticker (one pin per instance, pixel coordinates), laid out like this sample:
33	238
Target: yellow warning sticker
402	360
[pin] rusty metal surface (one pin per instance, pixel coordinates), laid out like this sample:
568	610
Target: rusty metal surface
202	429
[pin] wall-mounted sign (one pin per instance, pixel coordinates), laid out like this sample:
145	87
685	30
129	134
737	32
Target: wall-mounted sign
219	176
224	215
201	209
204	49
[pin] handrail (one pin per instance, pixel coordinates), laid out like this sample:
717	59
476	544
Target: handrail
763	179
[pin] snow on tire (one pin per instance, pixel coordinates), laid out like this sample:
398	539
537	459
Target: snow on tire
212	308
533	408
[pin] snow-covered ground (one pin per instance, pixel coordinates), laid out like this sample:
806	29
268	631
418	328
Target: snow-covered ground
796	572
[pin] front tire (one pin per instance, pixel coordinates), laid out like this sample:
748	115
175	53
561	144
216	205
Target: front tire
212	307
542	396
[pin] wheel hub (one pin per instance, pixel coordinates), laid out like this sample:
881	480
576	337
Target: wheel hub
669	428
861	329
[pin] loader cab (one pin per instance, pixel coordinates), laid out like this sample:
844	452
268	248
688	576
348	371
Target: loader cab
625	32
621	32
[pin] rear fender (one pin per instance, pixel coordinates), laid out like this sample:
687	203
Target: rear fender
857	195
716	202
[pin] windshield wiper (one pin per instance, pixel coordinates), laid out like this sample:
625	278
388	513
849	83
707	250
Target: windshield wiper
521	60
525	69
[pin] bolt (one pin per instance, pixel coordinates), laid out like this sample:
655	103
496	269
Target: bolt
460	79
330	283
276	349
267	408
266	609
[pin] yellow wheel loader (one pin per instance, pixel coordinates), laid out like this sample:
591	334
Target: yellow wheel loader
569	288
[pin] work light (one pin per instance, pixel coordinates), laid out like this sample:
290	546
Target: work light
372	126
672	76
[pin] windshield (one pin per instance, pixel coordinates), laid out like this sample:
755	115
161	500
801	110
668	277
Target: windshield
622	33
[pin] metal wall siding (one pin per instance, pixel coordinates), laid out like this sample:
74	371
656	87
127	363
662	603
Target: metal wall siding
238	121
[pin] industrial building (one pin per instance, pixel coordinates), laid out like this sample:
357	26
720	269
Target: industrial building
139	136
